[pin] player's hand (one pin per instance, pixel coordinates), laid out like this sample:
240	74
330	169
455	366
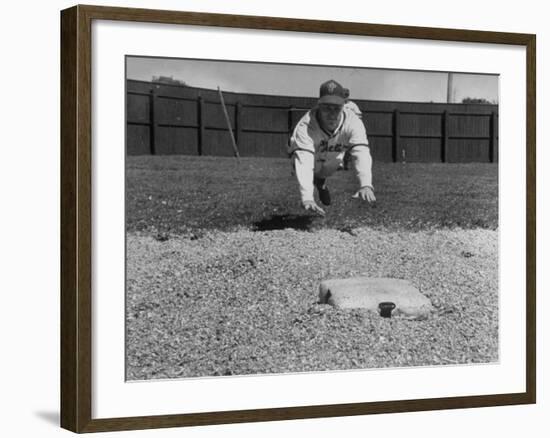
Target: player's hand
312	206
366	194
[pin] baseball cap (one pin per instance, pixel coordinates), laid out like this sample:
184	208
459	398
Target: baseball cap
332	92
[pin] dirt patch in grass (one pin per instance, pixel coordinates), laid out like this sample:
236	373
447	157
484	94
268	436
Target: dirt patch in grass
283	221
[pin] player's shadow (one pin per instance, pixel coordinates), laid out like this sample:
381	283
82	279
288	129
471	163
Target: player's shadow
283	221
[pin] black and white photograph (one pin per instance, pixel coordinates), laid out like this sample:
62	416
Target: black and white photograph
275	219
286	218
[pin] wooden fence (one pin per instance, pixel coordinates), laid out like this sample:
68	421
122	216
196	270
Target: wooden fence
167	119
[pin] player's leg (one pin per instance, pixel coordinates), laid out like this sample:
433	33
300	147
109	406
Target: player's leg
324	168
320	176
346	160
322	189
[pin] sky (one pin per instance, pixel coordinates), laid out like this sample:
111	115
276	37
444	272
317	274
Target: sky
304	80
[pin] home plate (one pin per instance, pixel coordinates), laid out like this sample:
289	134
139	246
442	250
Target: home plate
368	293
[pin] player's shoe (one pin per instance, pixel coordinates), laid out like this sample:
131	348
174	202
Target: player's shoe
324	193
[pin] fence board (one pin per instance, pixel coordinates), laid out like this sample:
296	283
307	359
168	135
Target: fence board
381	148
263	145
177	112
265	119
137	140
420	124
468	151
137	108
378	123
177	141
421	150
473	126
214	116
395	129
217	142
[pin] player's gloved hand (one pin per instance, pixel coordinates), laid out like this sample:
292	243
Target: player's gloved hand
366	194
312	206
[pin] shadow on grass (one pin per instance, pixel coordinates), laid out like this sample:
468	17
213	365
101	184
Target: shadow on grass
282	221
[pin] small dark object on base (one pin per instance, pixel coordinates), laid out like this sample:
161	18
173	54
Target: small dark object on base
386	308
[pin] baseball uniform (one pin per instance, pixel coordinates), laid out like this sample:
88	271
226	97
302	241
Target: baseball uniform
354	108
319	153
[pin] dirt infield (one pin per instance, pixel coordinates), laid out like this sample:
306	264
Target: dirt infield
246	303
223	269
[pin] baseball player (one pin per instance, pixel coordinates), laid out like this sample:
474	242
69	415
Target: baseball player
318	145
352	105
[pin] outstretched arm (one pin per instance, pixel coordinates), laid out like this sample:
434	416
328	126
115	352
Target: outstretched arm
303	166
362	163
302	150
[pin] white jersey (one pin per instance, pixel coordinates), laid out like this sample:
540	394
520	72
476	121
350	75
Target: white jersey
353	107
321	153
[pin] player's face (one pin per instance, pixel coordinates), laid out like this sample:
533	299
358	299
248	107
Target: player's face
329	115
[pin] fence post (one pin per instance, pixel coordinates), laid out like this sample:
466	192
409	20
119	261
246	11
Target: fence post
152	121
396	136
444	136
200	119
493	140
238	124
290	120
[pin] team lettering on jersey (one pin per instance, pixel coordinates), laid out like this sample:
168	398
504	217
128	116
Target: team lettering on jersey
324	146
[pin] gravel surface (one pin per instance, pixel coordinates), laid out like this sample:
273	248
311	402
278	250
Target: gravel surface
245	302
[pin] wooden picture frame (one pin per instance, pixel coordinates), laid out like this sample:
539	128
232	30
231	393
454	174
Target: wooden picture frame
76	218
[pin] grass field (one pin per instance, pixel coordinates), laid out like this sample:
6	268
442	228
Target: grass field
179	195
223	267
